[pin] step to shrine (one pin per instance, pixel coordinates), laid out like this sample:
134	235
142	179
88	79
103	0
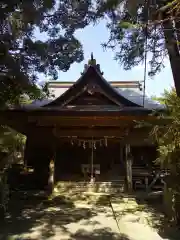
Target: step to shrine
85	187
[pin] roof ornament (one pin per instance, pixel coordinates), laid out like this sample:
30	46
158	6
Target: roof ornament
92	62
92	57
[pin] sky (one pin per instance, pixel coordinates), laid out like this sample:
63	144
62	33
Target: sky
91	38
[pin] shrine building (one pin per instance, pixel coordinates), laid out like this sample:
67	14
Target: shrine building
91	131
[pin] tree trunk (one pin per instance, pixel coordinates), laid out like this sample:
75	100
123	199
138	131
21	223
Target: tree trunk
172	198
173	52
177	208
168	202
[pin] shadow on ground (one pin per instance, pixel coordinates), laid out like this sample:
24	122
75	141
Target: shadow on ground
149	206
27	213
98	234
166	229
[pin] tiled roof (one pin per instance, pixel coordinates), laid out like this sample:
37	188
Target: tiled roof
137	97
130	94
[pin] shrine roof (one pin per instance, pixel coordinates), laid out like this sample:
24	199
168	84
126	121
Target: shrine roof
81	111
135	96
92	82
92	92
91	97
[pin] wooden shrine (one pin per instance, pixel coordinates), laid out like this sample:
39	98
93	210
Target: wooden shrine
90	132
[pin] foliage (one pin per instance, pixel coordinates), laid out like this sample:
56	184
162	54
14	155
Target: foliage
4	195
168	136
23	56
172	6
128	32
11	141
161	99
144	32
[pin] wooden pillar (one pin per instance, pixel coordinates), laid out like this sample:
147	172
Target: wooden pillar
128	168
27	152
51	177
92	162
120	153
121	161
51	173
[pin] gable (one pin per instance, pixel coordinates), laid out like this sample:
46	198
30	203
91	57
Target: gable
91	95
88	98
91	89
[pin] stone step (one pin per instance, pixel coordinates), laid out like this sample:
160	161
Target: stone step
99	187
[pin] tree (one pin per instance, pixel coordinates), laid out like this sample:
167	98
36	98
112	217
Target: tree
167	138
137	28
11	142
22	56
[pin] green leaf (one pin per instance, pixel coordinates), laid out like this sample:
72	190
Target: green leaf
127	25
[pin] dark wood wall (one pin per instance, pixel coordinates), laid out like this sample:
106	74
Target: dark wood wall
68	157
38	157
144	156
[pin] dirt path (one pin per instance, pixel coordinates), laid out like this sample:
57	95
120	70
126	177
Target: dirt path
62	219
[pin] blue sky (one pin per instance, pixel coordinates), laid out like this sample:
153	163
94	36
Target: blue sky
91	37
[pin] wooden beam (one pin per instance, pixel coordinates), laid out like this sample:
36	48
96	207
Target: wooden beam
115	84
135	136
77	123
87	118
87	121
88	132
